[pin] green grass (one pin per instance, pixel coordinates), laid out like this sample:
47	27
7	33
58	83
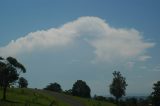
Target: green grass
91	102
28	97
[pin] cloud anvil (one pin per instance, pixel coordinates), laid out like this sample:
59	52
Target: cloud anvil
109	43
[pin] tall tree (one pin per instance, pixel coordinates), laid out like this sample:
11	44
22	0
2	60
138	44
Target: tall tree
23	83
118	85
156	93
54	87
10	69
80	88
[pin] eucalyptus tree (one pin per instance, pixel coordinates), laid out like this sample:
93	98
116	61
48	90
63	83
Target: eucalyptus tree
10	70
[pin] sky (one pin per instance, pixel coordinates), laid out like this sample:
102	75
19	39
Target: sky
67	40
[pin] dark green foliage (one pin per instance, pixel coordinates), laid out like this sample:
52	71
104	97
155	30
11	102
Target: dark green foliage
80	88
131	102
100	98
23	83
16	64
9	72
111	99
68	92
144	102
123	103
1	58
156	93
118	85
54	87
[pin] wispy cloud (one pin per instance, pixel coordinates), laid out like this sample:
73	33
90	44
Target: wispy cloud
130	65
156	68
109	43
144	58
143	67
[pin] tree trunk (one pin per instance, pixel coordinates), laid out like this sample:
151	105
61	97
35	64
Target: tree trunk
117	101
4	92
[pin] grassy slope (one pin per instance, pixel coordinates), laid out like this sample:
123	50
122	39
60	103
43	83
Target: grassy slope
27	97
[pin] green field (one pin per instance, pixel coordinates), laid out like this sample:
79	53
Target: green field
30	97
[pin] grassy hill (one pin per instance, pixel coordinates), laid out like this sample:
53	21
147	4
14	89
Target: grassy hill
29	97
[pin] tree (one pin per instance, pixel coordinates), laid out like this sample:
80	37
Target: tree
54	87
10	69
80	88
118	85
156	93
23	83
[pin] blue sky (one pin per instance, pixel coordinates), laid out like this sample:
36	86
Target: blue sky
66	40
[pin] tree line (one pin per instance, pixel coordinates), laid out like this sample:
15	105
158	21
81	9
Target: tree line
10	70
117	89
80	88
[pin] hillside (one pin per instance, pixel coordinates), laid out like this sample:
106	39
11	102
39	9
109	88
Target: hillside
30	97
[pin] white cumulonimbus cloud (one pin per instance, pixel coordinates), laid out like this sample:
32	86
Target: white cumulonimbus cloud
109	43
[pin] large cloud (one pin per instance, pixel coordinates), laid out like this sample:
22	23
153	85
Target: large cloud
109	43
